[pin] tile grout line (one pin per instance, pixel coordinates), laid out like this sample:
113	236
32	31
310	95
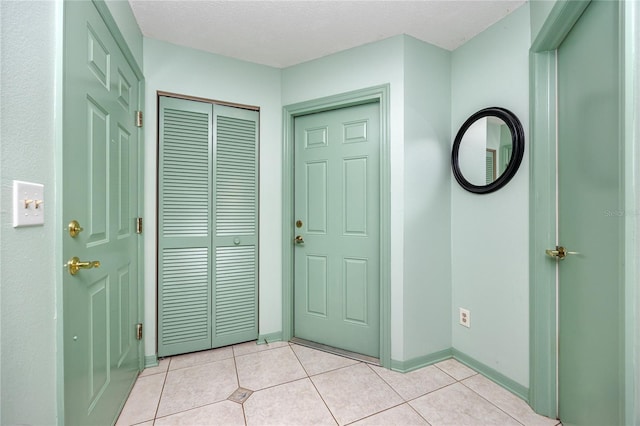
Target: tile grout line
481	396
235	366
164	382
314	385
490	402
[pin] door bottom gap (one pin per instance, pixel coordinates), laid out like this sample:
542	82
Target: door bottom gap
335	351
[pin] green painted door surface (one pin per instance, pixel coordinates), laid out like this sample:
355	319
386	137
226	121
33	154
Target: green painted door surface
337	283
590	220
207	226
99	190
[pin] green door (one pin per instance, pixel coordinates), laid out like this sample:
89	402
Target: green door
590	221
207	226
100	191
337	283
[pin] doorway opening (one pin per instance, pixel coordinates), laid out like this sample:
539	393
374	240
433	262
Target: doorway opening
379	95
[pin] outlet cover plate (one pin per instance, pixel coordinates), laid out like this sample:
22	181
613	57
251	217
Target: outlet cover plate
465	318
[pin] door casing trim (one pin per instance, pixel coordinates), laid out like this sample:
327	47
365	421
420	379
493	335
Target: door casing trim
376	94
543	396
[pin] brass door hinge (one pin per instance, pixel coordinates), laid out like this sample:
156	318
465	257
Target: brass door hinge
139	331
138	118
138	225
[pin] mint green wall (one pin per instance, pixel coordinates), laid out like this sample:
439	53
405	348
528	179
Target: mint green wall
176	69
30	58
427	200
27	285
632	183
366	66
489	238
540	10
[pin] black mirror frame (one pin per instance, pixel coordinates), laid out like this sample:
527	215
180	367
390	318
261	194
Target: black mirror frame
517	140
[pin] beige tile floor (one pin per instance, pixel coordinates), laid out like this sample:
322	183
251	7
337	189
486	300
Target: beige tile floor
288	384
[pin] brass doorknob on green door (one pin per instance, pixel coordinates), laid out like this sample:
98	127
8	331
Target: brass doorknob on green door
299	239
75	264
559	253
75	228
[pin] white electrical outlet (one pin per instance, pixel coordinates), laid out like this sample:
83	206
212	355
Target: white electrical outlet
465	317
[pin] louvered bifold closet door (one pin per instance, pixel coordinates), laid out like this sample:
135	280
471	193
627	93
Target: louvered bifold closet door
184	226
235	290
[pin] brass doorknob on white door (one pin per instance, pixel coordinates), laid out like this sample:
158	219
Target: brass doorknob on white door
75	264
299	239
559	253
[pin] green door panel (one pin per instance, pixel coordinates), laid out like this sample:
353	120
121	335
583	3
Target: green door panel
337	285
589	221
184	226
99	189
235	290
208	226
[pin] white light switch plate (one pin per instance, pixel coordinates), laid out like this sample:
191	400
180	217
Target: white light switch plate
28	204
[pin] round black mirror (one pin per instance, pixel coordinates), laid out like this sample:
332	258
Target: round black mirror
488	150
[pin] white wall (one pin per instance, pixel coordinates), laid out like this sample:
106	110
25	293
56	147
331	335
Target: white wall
175	69
489	238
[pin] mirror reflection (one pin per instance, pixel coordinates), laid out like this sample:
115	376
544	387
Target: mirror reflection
485	150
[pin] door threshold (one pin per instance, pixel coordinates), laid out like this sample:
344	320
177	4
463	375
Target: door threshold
336	351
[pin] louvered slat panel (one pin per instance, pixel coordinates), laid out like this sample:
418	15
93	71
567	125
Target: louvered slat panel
235	300
185	173
184	225
236	180
236	291
184	297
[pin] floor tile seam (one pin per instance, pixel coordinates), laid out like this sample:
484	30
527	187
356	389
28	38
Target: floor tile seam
490	402
299	360
244	412
339	368
191	409
408	401
387	409
475	373
199	364
235	367
273	386
333	416
336	369
387	383
164	383
422	394
260	350
140	376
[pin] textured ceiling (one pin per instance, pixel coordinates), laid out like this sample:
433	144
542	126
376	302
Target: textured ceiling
285	33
